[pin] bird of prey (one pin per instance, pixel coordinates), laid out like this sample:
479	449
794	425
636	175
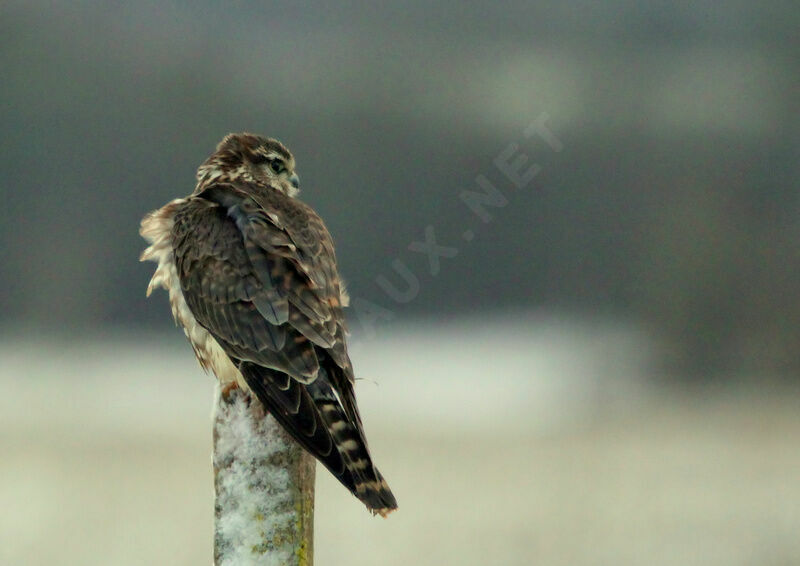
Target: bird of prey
252	279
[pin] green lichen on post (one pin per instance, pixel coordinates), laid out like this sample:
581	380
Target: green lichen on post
304	511
264	485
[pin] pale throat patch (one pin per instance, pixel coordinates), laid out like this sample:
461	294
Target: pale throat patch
156	228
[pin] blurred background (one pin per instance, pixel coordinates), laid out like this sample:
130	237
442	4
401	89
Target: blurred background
594	362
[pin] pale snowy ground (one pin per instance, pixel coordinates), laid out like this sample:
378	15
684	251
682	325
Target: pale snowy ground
534	442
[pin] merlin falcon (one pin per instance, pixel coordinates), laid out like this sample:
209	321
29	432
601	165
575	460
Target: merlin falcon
252	279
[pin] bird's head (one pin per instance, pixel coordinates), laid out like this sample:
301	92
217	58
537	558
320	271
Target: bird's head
251	158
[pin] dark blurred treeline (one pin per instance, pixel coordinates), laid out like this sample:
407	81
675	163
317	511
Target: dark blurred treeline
673	201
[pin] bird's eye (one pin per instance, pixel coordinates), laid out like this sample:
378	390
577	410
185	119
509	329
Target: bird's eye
277	166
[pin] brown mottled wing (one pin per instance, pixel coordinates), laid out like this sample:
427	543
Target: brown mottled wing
277	256
223	292
258	271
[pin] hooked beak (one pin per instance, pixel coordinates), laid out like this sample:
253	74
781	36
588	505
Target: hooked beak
295	180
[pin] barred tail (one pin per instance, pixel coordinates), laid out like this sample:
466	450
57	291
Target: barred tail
314	416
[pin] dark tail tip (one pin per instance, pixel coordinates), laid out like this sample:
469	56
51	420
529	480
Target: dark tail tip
376	495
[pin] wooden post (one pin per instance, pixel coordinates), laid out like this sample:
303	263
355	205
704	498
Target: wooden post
264	485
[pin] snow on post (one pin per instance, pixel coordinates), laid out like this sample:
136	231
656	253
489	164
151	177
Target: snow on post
264	483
